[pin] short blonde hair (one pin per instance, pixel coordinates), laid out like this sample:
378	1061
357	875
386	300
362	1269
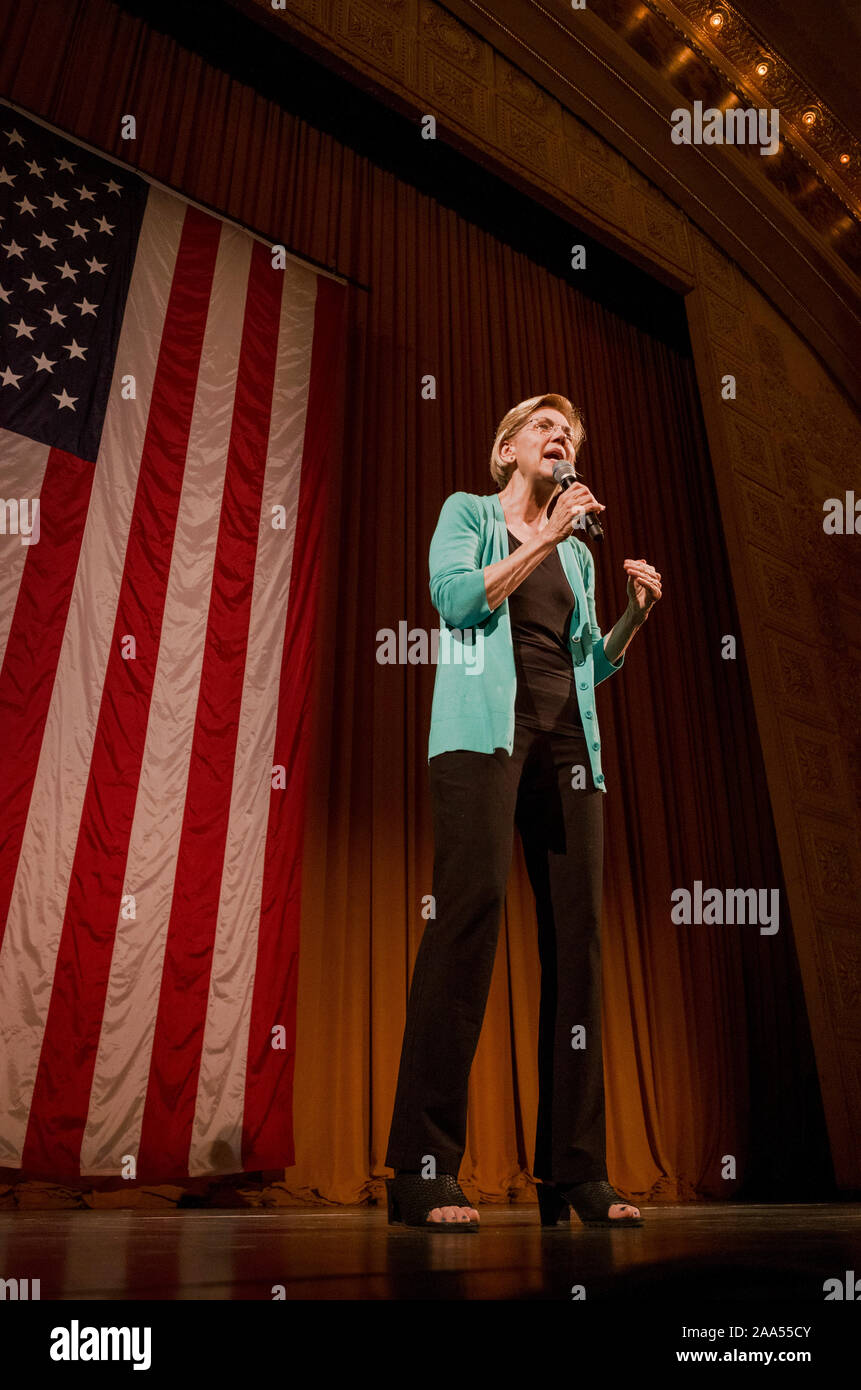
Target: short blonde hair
516	418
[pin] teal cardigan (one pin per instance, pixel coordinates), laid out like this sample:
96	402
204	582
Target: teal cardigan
474	708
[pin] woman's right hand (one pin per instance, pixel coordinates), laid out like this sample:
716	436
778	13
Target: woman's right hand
572	503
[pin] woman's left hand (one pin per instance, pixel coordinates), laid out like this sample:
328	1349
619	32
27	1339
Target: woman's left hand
644	587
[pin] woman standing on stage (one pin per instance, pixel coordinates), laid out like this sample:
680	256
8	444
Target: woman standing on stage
514	741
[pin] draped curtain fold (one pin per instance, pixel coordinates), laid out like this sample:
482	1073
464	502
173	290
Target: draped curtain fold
707	1051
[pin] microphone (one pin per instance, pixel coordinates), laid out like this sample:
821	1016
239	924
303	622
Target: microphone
563	473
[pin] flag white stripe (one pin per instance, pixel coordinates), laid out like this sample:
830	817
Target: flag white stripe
29	952
22	471
217	1133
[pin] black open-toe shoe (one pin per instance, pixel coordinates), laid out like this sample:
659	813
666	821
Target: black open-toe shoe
411	1198
591	1201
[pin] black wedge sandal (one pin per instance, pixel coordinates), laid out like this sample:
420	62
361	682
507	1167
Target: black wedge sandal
591	1201
411	1198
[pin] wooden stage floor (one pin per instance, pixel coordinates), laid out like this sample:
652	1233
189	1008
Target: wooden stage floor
707	1251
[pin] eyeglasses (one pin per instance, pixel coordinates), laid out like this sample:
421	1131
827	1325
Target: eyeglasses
547	426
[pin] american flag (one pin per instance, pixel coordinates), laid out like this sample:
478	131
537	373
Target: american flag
166	396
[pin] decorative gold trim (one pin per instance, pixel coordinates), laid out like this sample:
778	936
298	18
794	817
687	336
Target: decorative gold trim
736	48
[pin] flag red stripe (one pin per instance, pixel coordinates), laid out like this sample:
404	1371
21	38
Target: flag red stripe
33	648
267	1138
180	1023
61	1096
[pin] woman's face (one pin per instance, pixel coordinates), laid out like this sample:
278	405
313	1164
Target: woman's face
540	444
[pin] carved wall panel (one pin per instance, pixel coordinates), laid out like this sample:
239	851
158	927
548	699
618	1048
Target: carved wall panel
763	521
817	772
841	948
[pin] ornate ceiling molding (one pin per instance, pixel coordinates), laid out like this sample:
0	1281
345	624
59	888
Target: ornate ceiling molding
738	51
575	107
735	52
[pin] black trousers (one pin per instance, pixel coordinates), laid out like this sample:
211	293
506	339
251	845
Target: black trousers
477	800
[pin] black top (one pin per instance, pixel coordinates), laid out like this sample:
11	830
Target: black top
541	609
